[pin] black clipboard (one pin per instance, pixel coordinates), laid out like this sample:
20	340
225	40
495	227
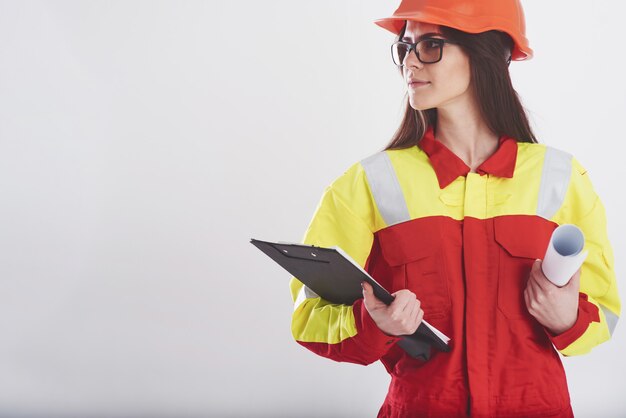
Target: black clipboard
336	277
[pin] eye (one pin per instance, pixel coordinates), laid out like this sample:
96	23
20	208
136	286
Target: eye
432	43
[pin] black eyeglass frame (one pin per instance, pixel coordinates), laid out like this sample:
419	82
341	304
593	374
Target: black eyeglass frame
413	47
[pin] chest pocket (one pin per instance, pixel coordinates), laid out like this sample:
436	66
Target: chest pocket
413	250
522	239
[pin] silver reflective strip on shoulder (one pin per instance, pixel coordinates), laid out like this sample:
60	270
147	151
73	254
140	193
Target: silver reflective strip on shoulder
611	318
557	169
305	293
385	188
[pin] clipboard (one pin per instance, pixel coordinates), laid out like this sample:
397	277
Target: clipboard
336	277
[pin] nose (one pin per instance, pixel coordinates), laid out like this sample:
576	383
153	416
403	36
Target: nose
411	60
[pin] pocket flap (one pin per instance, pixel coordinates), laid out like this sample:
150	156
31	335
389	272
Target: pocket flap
411	240
524	235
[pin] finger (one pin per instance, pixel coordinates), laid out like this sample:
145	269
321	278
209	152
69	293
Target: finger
368	295
367	288
532	280
574	282
368	292
413	321
532	302
401	301
412	302
539	277
527	298
412	310
532	289
420	317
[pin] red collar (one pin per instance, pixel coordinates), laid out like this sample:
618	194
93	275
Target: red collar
448	166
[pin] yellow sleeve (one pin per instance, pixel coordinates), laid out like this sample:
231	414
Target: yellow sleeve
344	217
599	304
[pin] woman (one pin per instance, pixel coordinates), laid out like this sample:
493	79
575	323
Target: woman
453	218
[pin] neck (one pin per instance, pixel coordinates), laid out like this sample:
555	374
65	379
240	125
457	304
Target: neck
466	134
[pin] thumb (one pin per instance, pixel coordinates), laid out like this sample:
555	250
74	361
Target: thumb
368	295
369	299
575	280
367	289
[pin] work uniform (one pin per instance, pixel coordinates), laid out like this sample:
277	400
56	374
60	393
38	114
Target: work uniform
464	243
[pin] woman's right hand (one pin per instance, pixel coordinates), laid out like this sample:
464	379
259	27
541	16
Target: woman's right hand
402	317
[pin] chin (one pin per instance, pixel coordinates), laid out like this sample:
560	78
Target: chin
418	105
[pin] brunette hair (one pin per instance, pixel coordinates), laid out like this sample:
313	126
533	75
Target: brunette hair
490	55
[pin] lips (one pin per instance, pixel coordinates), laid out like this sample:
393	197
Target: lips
418	83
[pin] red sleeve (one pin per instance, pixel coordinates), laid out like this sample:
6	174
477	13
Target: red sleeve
367	346
587	313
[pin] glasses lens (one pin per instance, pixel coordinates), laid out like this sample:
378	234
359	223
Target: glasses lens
429	50
398	53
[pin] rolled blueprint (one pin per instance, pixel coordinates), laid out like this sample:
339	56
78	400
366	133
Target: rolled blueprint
564	254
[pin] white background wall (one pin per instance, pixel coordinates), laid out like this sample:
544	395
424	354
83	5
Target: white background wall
142	145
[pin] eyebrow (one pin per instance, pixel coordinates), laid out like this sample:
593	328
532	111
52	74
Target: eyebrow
425	35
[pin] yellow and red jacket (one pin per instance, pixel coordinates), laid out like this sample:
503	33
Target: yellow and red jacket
464	243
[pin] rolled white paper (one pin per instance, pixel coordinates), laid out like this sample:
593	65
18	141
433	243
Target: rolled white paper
563	256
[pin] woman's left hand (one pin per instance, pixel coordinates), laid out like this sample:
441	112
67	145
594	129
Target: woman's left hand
556	308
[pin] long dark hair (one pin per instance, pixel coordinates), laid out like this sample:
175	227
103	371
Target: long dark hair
489	54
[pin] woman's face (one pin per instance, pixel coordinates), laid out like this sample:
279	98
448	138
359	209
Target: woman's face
448	80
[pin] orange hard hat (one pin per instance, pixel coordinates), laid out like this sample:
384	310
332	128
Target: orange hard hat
473	16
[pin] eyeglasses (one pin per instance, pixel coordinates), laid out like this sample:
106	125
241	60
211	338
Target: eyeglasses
427	50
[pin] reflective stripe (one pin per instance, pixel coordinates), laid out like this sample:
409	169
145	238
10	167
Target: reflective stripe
385	188
305	293
557	169
611	318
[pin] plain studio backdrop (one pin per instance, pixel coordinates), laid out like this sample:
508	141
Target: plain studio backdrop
142	145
